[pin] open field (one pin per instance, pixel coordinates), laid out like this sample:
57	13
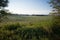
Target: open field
26	28
31	21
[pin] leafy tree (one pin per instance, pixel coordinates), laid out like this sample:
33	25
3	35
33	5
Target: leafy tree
56	19
3	12
3	3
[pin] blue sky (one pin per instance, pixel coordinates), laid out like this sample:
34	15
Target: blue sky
29	6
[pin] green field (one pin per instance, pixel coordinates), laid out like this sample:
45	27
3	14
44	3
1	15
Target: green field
31	21
25	28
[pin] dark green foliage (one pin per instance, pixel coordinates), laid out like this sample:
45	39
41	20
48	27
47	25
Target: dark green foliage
55	34
30	33
55	29
55	4
17	32
3	12
3	3
3	15
12	27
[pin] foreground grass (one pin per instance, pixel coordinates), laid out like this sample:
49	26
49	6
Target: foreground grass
26	28
18	32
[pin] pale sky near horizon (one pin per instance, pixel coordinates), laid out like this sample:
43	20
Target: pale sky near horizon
29	6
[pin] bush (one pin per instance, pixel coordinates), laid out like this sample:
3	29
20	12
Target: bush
12	26
55	34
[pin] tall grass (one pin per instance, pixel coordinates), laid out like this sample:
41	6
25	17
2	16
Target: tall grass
17	32
31	28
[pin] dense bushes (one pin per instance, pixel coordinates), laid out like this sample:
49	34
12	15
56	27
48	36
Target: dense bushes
55	34
12	26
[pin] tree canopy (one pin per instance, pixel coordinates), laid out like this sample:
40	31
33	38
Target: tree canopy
3	12
55	4
3	3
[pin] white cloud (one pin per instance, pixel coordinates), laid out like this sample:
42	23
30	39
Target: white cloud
30	11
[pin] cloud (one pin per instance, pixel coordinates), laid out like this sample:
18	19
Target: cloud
30	11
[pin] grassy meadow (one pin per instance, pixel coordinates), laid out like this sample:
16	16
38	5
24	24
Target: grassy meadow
25	28
29	21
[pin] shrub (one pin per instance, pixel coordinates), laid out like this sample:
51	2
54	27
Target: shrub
12	26
55	34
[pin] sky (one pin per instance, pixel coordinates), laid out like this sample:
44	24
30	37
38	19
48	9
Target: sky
29	6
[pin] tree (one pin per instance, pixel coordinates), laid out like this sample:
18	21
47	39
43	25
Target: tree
3	4
56	19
